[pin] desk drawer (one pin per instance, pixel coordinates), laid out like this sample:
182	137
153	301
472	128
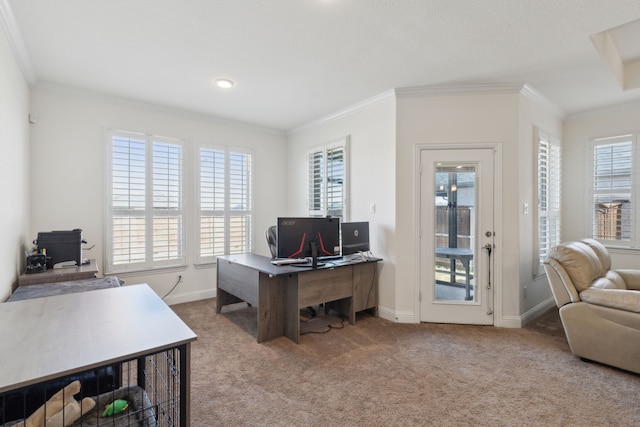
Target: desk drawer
319	286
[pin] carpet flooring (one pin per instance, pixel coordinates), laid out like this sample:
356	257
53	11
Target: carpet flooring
380	373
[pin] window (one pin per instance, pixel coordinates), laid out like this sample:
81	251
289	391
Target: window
613	202
548	180
145	202
225	202
328	172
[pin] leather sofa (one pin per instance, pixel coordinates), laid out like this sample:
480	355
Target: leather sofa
599	307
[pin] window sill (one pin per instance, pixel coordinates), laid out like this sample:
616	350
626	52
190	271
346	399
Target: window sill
622	250
147	272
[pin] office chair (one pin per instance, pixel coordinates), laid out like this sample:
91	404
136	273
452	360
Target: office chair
272	241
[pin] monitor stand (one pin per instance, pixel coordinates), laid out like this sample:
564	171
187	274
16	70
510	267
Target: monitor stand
314	254
314	257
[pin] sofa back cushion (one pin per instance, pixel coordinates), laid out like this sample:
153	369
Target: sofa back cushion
602	253
579	261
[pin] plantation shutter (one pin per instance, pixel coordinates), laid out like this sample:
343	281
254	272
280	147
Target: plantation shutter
226	202
145	208
327	180
549	173
128	201
167	203
240	200
316	182
212	195
335	181
613	160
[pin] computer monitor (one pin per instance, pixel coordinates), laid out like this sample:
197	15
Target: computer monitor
355	237
299	236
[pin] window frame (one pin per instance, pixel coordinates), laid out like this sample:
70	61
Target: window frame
226	212
149	212
318	179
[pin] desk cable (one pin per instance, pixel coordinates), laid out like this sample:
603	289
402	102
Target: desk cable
329	327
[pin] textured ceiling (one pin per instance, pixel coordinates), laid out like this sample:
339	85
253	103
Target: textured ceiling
295	61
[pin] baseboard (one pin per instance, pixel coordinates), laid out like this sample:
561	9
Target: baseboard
537	311
507	321
189	297
397	316
529	316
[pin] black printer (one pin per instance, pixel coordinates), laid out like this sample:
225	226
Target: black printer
61	246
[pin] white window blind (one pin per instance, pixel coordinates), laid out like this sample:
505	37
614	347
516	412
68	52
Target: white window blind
549	174
327	180
613	202
225	202
145	206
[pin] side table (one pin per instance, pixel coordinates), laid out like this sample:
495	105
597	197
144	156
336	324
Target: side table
66	274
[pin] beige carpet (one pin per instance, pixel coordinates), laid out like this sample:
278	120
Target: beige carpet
379	373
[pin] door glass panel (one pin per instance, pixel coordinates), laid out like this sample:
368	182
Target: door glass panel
455	233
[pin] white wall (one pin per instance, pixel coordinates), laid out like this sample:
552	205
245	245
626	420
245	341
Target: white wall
14	169
506	119
67	162
492	117
535	293
458	118
371	129
578	131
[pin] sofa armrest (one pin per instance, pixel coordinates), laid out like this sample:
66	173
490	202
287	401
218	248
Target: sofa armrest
623	299
561	286
631	278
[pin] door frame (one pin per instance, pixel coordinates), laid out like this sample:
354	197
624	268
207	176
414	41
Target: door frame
496	273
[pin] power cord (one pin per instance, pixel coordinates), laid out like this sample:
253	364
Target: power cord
315	318
174	286
329	327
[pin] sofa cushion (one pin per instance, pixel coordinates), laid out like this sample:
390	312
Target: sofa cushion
622	299
579	261
611	280
631	278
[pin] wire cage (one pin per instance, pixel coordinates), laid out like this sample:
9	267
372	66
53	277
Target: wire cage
149	391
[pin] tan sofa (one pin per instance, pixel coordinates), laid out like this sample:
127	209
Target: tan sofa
599	307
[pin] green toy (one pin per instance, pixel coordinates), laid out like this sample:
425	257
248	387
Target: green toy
115	407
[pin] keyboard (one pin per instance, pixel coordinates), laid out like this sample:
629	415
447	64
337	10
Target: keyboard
287	261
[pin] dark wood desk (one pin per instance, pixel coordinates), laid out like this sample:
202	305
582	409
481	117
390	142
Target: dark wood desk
279	292
465	256
67	274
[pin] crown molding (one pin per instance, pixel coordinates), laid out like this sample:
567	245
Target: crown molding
461	89
543	102
344	112
14	36
479	89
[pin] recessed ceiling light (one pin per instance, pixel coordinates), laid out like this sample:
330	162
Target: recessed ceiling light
224	83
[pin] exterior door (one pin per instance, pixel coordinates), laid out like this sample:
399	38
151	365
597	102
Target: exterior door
457	235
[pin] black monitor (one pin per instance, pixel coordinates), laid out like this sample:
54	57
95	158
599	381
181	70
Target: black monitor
355	237
302	237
